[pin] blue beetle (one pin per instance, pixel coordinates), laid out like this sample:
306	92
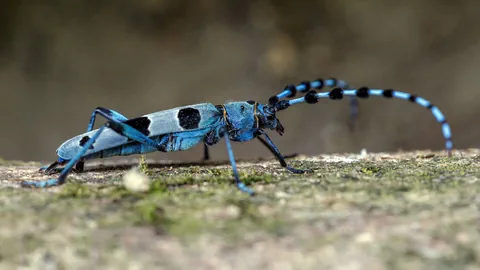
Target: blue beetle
182	128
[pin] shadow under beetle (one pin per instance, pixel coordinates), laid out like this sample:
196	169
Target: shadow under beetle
181	128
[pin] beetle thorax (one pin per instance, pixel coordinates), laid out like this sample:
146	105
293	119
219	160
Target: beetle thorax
240	115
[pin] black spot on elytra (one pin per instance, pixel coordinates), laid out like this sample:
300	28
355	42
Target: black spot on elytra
251	102
140	123
84	140
189	118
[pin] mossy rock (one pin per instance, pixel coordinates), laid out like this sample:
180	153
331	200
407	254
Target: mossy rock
412	210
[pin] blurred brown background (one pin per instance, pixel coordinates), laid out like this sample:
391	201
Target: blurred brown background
61	59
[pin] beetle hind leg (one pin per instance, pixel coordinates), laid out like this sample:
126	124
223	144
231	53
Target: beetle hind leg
104	111
52	168
80	166
114	124
68	167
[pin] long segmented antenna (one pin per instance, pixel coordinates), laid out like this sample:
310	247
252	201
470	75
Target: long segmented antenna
291	90
313	97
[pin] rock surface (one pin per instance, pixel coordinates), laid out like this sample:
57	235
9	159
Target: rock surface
412	210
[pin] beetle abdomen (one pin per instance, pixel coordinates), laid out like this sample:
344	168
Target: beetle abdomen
180	119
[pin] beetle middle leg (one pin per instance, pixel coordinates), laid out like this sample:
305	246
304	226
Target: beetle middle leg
240	185
206	153
211	138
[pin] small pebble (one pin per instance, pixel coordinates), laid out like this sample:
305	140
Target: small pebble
136	181
364	237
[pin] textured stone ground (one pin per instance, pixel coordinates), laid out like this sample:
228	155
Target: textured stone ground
415	210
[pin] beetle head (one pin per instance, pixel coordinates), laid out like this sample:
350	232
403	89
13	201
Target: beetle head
268	119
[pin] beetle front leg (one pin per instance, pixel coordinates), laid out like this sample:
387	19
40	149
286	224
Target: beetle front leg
269	144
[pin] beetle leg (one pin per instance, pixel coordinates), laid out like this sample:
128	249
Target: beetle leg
104	111
211	138
269	144
206	153
79	167
63	175
238	183
115	125
52	168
